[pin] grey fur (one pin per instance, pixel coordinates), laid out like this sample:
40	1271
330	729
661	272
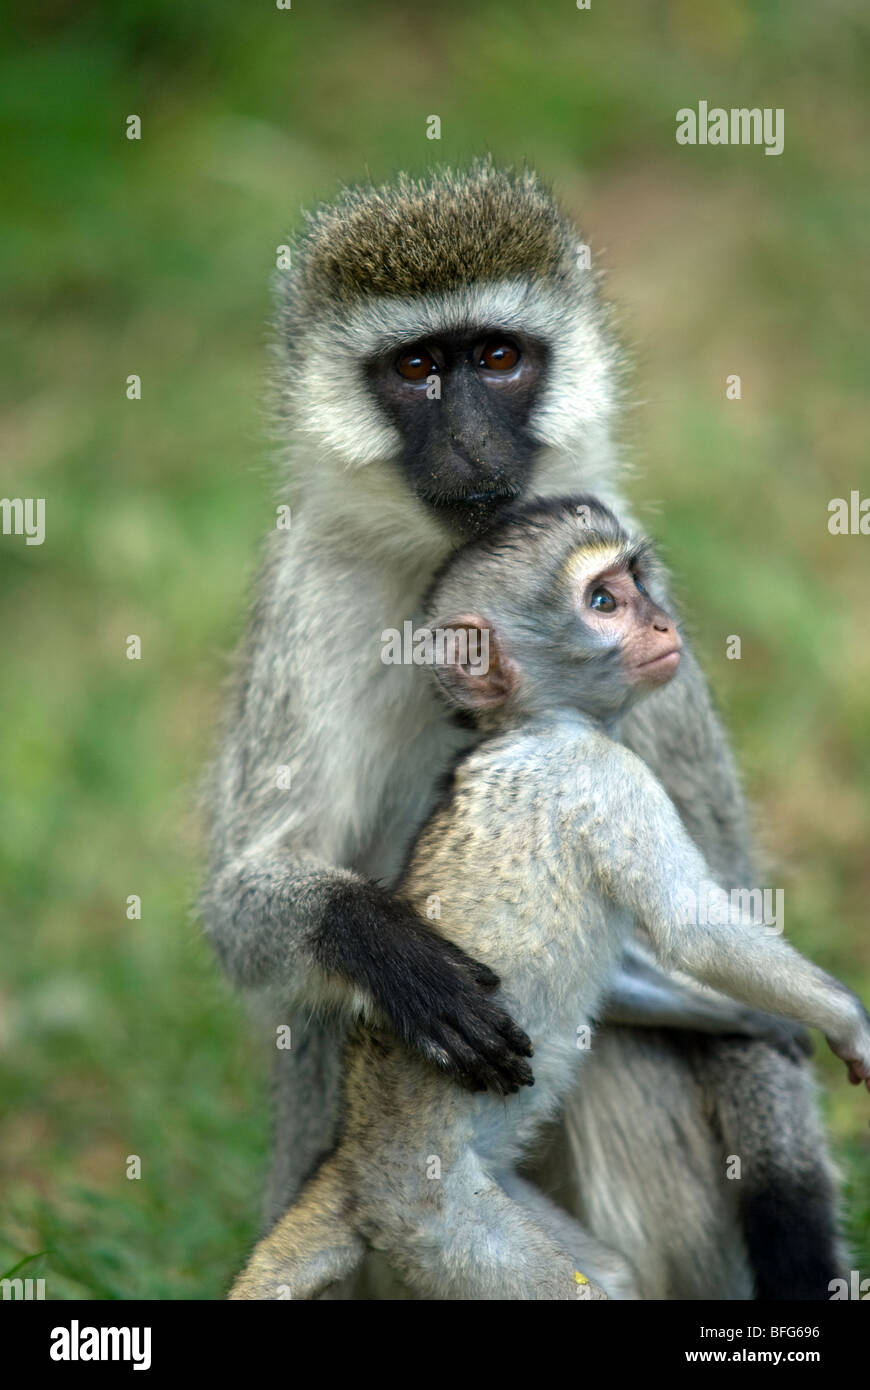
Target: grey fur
554	843
367	744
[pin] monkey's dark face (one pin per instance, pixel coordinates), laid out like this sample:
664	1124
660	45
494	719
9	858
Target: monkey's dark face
462	403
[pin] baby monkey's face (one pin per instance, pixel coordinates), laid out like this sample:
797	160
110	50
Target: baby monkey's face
615	606
568	620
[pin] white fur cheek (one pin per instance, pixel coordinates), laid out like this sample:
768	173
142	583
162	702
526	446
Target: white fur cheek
578	396
335	408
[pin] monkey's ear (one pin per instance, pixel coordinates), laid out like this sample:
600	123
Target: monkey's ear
470	662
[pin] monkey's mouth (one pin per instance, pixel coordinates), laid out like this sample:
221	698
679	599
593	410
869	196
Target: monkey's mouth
659	667
492	495
495	496
471	513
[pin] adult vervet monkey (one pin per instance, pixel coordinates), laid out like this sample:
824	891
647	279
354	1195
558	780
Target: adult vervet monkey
440	351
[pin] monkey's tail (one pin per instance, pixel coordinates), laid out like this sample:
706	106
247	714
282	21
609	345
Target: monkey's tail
787	1191
312	1247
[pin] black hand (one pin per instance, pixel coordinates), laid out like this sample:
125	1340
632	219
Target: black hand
436	997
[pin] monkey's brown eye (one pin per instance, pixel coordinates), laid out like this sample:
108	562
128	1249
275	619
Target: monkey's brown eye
415	365
602	601
499	357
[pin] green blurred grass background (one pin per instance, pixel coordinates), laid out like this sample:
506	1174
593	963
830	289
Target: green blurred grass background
119	1037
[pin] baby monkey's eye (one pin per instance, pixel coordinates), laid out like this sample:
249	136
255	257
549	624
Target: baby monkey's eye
602	601
638	585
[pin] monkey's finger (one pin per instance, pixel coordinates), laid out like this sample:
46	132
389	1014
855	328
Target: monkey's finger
486	978
442	1058
454	1055
509	1059
494	1054
519	1041
484	1059
481	974
482	1029
510	1033
518	1071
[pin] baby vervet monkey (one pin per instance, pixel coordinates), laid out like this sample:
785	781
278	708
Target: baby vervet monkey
553	842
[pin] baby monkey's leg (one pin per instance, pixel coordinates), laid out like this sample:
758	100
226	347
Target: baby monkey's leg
312	1246
477	1243
599	1262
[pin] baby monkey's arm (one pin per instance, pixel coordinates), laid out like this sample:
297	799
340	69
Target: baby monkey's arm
647	863
642	995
